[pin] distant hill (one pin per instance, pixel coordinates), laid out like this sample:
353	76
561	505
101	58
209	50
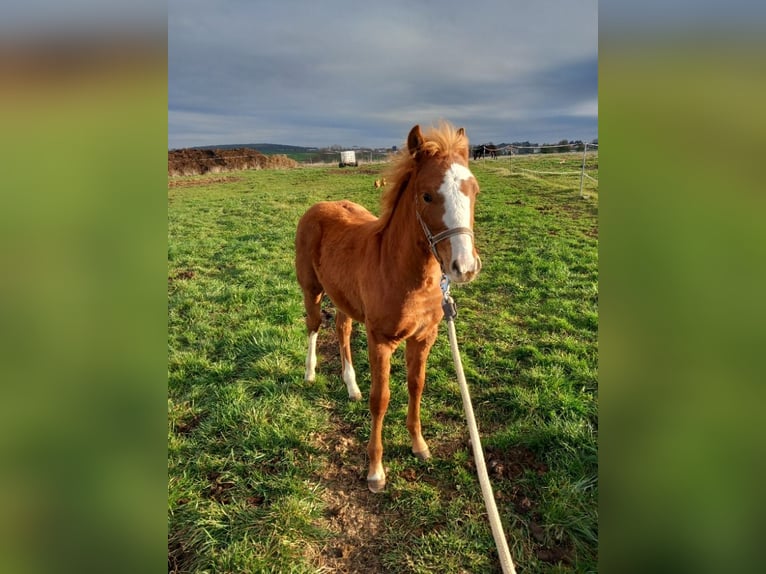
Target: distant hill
302	154
264	148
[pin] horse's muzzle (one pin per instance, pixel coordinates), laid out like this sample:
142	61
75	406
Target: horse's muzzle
463	271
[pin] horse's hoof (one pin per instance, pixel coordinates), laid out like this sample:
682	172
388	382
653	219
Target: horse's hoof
423	454
376	485
355	397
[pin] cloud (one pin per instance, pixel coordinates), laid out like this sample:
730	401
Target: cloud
337	72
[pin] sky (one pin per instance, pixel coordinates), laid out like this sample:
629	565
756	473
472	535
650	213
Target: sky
363	73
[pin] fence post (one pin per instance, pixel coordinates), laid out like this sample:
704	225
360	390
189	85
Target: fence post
582	169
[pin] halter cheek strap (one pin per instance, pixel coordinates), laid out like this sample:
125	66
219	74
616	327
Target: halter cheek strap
434	239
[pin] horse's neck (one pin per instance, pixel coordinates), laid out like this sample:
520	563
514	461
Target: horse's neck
404	249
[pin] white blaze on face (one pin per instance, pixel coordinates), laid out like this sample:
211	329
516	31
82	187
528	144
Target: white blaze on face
457	213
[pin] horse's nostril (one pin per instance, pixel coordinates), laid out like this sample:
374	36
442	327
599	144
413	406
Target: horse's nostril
456	268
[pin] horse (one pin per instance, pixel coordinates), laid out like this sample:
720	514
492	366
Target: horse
485	150
386	271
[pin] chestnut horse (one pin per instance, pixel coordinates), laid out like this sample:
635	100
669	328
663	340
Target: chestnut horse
385	272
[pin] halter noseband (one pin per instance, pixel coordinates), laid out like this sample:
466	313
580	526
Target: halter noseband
434	239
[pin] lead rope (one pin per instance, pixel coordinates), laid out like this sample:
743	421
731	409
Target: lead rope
450	312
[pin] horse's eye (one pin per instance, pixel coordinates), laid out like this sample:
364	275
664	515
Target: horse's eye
427	197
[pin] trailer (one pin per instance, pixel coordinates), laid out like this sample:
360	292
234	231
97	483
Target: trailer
348	158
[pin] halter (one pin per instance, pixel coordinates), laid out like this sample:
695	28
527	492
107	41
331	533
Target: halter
434	239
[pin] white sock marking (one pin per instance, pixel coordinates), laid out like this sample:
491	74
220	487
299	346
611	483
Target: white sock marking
311	358
349	377
377	475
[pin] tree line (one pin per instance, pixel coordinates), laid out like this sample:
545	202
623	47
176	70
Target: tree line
527	147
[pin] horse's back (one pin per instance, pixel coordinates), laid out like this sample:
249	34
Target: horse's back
338	213
330	221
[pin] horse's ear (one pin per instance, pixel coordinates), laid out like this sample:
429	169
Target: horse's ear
464	152
414	140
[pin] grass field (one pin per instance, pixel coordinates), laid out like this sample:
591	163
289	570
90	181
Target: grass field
266	473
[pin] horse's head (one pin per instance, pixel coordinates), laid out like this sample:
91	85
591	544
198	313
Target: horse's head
445	193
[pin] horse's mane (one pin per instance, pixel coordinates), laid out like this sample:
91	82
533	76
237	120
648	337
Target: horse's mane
443	139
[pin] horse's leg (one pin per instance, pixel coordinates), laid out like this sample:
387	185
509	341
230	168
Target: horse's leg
343	330
312	300
416	355
380	367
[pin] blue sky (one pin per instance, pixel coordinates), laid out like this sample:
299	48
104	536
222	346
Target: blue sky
353	73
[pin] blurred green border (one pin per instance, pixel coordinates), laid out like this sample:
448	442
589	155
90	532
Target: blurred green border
83	308
682	255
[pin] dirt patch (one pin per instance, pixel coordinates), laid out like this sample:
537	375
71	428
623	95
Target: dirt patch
506	467
181	275
206	181
256	500
185	426
513	462
179	556
327	343
219	488
353	513
555	554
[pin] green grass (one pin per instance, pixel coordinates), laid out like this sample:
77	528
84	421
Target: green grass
266	471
